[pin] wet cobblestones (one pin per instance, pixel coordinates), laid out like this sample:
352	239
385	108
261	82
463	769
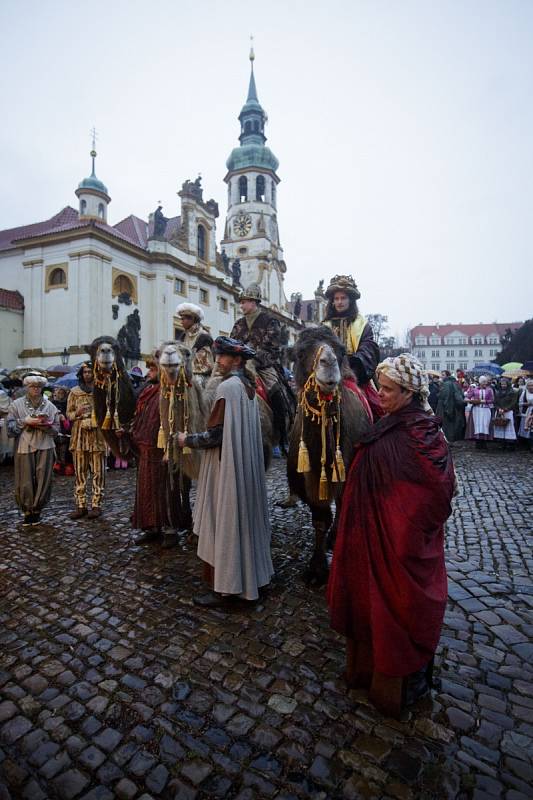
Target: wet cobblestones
113	685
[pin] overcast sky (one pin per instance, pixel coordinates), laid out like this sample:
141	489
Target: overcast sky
404	132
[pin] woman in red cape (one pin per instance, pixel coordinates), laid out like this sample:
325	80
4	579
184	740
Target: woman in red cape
388	587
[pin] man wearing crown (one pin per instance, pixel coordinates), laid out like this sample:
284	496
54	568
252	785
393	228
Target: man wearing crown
344	319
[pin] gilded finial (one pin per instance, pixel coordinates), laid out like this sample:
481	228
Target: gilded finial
252	54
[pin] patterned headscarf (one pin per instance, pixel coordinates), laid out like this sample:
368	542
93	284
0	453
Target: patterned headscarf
408	372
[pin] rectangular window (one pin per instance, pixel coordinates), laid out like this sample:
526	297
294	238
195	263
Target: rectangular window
179	286
223	304
478	353
463	365
435	354
435	365
450	366
204	297
462	353
450	353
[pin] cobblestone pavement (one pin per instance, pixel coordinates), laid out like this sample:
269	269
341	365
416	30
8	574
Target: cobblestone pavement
114	685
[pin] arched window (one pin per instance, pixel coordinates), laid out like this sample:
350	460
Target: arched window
122	285
256	125
101	210
57	277
201	238
83	207
248	127
243	189
260	188
273	194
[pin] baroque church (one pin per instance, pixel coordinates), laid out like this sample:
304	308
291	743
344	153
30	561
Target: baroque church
76	276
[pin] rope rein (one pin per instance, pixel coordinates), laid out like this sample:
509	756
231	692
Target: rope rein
317	413
175	391
109	382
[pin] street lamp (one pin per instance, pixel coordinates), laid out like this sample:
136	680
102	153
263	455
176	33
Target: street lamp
65	355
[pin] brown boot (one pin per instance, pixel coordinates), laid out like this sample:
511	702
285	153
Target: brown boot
79	513
94	513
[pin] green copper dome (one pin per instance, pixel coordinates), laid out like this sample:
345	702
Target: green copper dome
93	183
252	155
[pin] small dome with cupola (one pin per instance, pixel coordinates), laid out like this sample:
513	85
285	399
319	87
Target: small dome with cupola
92	194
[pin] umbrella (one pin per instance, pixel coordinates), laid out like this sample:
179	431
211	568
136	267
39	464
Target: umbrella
511	365
68	381
528	365
515	373
58	369
481	369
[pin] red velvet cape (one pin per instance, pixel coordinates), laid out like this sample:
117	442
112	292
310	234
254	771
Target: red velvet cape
388	584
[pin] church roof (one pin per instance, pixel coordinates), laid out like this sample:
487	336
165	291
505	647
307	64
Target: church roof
132	229
12	300
139	231
67	216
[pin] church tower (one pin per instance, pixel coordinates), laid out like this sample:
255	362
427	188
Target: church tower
92	193
251	232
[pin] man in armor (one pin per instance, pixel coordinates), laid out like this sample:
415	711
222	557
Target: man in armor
262	332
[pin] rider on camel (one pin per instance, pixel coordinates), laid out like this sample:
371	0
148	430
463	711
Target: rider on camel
262	332
344	319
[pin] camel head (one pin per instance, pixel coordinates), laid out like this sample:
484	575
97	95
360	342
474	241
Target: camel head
327	370
105	353
175	355
105	356
318	350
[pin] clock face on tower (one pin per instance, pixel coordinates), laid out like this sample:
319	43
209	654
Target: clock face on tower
242	224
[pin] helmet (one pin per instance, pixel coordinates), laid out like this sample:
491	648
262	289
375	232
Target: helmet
252	292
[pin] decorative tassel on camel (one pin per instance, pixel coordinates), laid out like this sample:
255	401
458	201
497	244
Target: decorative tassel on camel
304	465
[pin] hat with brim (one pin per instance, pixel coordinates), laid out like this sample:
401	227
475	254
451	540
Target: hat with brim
343	283
225	346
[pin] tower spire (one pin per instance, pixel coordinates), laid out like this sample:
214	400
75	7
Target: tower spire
252	91
93	151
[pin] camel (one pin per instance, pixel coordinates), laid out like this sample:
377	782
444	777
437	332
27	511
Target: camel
330	420
114	398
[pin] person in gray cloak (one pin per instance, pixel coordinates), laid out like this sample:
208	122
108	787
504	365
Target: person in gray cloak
231	511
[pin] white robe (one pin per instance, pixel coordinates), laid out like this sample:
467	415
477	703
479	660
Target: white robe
231	510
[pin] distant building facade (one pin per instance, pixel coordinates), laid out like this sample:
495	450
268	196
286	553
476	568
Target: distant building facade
453	347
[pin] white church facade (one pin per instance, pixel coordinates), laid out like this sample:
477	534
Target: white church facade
81	276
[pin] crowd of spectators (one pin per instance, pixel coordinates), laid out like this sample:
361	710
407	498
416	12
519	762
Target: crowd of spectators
484	409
